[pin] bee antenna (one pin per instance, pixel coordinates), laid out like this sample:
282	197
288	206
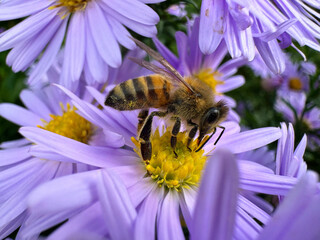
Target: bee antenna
204	143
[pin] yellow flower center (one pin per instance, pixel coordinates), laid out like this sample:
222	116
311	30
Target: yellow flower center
306	124
71	5
209	77
170	171
70	125
295	84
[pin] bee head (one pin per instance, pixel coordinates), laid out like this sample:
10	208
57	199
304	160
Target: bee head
211	118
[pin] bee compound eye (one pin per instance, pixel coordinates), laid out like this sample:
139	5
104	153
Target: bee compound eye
213	115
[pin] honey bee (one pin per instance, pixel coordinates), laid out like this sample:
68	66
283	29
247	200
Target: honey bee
184	99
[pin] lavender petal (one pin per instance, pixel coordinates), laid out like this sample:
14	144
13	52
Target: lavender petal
26	30
7	229
249	140
212	25
23	9
134	10
34	104
88	221
74	52
49	55
80	152
103	37
14	143
145	225
16	204
13	113
121	33
217	199
298	214
169	226
115	201
231	83
187	204
141	190
14	155
142	29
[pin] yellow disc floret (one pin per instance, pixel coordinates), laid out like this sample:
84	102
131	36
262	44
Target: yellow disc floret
295	84
209	77
70	125
170	171
71	5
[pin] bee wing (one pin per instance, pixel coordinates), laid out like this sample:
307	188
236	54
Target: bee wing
175	75
154	68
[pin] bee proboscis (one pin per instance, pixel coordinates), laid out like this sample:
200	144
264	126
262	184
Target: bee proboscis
185	99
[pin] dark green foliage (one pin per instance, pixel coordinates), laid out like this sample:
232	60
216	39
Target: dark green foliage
11	85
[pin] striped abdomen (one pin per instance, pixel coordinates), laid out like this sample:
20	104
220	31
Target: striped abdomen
140	93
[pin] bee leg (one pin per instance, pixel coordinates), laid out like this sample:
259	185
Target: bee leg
144	136
192	133
143	114
174	133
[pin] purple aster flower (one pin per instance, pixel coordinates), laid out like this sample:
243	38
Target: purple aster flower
160	188
215	214
97	203
128	69
295	99
297	217
151	201
92	31
216	204
25	165
177	10
262	155
263	25
207	68
311	119
294	78
289	161
294	109
21	171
